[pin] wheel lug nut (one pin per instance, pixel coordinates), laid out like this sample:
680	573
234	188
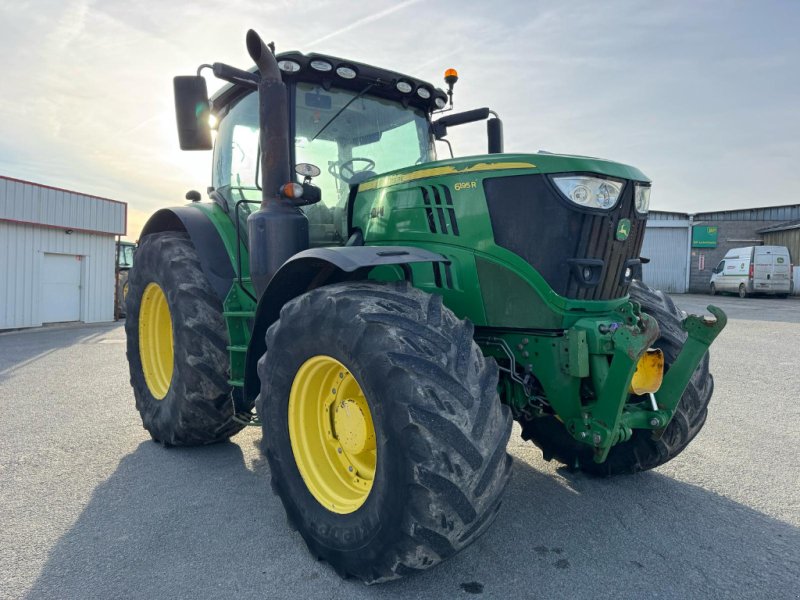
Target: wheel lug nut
339	450
350	469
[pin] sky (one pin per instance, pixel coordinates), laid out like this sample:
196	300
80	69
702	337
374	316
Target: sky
704	97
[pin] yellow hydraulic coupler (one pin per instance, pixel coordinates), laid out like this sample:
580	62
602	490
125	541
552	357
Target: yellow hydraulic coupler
649	372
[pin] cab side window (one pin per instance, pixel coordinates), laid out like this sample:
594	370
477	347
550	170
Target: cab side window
720	267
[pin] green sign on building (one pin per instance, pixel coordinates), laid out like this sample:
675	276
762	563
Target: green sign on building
704	236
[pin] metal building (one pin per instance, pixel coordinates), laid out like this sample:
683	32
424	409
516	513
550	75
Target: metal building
56	254
734	229
785	234
667	243
681	258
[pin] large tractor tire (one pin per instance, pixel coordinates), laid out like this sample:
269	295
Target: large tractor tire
644	450
177	342
384	432
122	292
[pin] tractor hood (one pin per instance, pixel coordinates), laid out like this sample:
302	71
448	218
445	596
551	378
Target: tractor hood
503	203
506	164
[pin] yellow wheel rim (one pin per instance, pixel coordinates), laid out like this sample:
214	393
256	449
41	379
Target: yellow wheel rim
155	340
332	435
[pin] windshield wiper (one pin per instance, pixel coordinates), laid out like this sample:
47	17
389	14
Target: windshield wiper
341	110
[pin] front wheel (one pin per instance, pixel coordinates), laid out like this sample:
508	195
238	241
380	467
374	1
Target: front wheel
383	429
713	290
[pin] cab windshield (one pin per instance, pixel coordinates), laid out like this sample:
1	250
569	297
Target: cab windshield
125	256
349	137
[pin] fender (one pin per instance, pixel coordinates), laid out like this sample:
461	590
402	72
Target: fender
315	268
214	259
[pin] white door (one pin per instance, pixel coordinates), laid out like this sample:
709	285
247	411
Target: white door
61	288
779	276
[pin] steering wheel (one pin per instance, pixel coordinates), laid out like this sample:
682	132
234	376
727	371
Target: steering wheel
347	172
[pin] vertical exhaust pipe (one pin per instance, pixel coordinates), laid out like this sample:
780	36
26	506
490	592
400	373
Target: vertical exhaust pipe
279	229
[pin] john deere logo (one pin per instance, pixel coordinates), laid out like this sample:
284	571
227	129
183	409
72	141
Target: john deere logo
623	229
779	260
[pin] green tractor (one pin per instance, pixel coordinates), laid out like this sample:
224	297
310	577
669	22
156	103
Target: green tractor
124	262
384	315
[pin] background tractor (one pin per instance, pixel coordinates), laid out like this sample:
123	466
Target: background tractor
388	314
124	261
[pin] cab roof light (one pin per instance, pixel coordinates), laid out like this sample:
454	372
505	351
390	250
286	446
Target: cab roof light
450	78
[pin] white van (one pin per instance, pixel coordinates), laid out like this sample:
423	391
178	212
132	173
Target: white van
754	270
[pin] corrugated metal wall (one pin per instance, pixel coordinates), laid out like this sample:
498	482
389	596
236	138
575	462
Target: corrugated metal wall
22	249
37	219
789	238
666	244
766	213
661	215
32	203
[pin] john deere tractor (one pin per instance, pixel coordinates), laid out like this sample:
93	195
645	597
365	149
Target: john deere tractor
384	315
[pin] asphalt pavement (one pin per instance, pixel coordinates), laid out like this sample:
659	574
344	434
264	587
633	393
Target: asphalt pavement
91	508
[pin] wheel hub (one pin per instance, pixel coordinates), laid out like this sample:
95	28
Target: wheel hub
155	340
352	425
332	434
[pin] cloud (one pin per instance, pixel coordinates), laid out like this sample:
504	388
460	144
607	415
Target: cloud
701	99
365	21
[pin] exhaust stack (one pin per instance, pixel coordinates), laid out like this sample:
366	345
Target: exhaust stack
279	229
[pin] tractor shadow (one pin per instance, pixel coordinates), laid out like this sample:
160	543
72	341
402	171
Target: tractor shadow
203	523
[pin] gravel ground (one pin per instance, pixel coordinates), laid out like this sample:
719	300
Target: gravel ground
91	508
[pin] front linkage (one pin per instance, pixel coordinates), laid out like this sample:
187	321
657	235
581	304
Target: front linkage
600	377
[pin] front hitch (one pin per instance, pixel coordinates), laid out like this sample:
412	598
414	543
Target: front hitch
609	420
702	332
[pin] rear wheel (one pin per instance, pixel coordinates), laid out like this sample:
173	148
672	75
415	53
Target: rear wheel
122	292
643	451
382	426
177	345
742	291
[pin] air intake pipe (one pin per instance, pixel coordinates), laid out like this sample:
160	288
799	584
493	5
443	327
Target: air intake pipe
279	229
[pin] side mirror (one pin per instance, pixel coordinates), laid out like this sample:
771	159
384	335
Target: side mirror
192	110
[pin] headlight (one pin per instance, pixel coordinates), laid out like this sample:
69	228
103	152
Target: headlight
591	192
288	66
346	72
642	198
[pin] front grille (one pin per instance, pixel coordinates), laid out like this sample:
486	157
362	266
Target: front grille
532	220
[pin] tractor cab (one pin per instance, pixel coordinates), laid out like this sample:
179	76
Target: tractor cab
351	121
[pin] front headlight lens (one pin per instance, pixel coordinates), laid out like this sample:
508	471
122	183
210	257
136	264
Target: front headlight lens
642	198
591	192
